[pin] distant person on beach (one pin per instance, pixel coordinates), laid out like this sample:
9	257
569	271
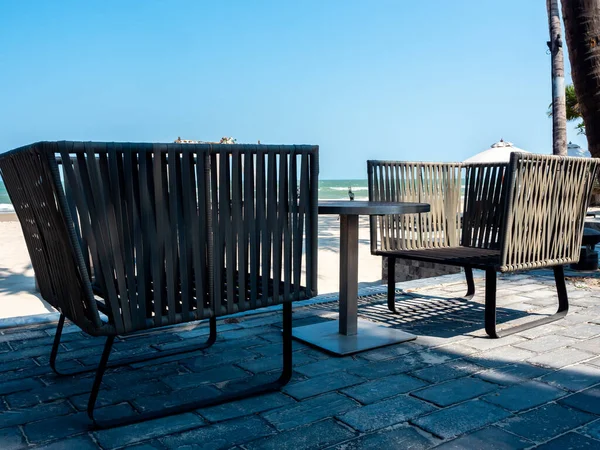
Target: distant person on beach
350	193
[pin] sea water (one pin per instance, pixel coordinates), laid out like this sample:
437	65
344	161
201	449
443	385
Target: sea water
328	190
5	205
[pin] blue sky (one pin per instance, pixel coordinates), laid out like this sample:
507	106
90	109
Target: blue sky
434	80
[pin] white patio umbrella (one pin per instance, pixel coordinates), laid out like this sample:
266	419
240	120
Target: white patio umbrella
576	150
498	152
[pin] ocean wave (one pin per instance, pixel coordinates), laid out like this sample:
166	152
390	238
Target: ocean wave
354	189
6	207
342	199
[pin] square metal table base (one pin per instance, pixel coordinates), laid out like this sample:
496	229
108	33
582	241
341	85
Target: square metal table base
326	336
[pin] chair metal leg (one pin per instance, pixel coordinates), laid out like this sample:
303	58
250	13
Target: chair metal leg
98	378
490	305
285	376
391	288
470	283
212	337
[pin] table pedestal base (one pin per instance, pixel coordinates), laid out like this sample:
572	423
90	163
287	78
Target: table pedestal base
326	336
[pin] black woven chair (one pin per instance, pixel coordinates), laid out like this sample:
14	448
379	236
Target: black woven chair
130	237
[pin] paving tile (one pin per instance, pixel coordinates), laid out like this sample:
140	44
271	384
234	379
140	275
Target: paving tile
216	375
405	363
587	400
513	374
589	345
268	349
9	387
393	351
157	402
129	353
308	411
574	378
490	437
547	343
317	435
70	386
321	384
399	438
524	396
582	331
12	439
578	317
438	341
45	342
151	445
113	396
385	413
223	435
190	331
131	434
215	348
30	352
23	416
180	357
594	362
592	430
20	336
373	391
268	363
76	443
454	391
131	377
570	441
542	330
241	334
61	427
328	366
447	371
459	349
501	356
246	406
459	419
546	422
560	358
487	343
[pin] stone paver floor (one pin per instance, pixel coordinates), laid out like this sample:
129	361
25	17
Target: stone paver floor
451	388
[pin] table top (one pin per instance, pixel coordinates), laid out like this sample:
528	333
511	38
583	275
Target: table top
357	207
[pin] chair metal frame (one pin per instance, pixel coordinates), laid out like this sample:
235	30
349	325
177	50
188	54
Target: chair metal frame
128	237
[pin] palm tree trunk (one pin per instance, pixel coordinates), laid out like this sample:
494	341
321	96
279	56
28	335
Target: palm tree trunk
559	109
582	28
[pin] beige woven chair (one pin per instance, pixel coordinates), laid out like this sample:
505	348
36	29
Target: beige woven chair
527	214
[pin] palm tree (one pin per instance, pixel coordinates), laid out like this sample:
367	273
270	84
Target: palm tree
582	27
572	108
559	122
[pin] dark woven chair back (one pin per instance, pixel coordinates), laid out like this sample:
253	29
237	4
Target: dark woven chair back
34	186
159	234
264	225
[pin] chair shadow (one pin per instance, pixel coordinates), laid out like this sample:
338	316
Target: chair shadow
432	315
17	282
